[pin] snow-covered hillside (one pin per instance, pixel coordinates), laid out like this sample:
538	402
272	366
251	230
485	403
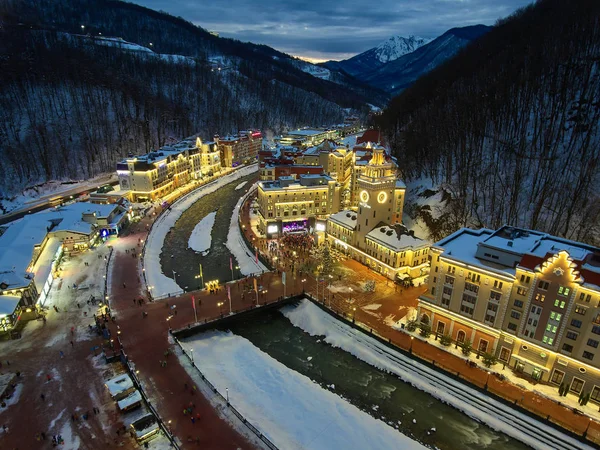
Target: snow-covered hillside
397	46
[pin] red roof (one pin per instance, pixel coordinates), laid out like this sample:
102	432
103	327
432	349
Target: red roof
369	136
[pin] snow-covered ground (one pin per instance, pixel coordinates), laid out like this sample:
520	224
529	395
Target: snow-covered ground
241	185
237	246
161	284
200	238
287	407
496	415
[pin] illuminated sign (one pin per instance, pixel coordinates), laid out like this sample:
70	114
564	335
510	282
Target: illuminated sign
320	226
272	229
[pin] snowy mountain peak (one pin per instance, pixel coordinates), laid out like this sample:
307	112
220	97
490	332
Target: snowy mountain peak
397	46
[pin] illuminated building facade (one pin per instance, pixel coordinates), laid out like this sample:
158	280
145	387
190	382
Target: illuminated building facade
156	174
294	204
307	137
239	149
527	297
373	233
31	248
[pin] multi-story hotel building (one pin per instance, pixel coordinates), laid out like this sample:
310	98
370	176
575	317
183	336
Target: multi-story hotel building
307	137
531	299
292	204
156	174
239	149
373	234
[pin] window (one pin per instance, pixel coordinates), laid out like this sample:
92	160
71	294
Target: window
572	335
595	395
433	291
587	355
469	299
596	329
518	303
585	298
592	343
515	314
466	310
557	377
567	348
498	284
504	354
576	323
449	280
512	326
471	287
525	279
562	290
559	304
540	298
580	310
495	296
543	285
522	291
452	270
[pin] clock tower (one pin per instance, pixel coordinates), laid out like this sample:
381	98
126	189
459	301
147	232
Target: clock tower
380	196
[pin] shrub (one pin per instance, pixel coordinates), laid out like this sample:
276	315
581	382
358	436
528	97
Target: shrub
489	359
411	325
446	340
425	330
467	347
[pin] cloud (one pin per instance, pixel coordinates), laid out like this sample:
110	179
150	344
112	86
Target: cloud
333	30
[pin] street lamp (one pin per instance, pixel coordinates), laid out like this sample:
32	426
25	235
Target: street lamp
174	277
192	355
200	275
487	379
227	392
411	344
220	305
353	313
303	281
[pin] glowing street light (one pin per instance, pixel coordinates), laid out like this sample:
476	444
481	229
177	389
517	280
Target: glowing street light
353	313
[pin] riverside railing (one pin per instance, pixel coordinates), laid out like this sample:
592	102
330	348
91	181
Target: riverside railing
138	384
239	415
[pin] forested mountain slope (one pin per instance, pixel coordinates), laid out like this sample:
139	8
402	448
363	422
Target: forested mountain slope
71	106
509	128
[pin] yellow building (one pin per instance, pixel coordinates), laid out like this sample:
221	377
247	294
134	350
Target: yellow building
290	204
529	298
373	233
156	174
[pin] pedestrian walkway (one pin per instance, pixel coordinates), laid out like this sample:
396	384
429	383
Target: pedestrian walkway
145	340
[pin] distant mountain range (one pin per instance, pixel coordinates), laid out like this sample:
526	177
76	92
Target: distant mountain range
396	63
388	51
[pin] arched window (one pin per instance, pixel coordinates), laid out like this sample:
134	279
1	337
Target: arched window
425	319
460	336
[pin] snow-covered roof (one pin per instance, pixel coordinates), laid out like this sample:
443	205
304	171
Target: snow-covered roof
400	184
469	246
130	400
119	384
307	132
8	303
396	238
43	265
345	218
22	236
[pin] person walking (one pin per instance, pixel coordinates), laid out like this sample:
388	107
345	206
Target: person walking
62	354
43	397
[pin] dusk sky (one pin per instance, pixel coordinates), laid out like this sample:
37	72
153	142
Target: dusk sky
321	29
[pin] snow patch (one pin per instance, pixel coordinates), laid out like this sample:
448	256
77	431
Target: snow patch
290	409
241	185
200	238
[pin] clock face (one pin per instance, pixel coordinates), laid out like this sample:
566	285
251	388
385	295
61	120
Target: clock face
382	197
364	196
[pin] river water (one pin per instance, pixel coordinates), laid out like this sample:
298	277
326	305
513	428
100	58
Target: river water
176	254
382	395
